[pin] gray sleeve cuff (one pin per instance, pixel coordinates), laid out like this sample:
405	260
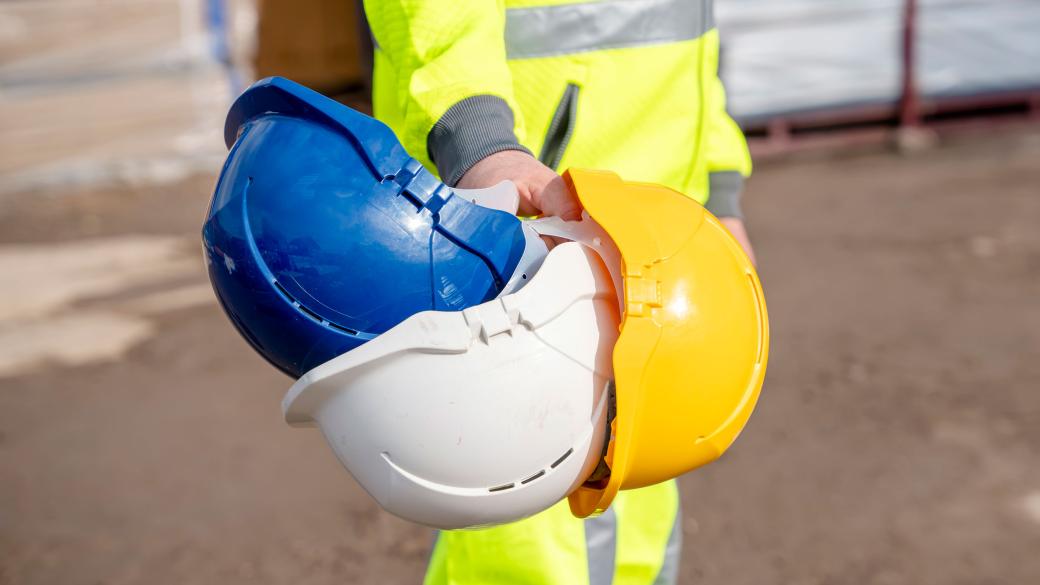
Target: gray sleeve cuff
724	190
470	130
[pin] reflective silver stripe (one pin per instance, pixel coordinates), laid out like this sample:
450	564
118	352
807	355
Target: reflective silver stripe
669	574
543	31
601	546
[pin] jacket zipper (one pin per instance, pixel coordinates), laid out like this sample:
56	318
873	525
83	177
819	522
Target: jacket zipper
707	15
560	128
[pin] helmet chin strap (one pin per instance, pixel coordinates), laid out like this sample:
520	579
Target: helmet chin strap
586	231
504	197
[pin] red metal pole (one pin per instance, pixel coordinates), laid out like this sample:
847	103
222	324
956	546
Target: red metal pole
909	115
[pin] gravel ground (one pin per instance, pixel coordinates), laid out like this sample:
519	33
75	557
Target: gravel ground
896	440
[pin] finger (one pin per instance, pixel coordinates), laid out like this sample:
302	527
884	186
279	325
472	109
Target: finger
526	208
557	200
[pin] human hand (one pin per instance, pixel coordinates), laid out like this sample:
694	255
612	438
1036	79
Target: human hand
541	190
735	225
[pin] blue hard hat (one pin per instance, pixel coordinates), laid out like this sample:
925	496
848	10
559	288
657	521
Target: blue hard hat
324	233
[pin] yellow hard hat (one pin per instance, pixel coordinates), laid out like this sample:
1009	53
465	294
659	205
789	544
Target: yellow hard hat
694	337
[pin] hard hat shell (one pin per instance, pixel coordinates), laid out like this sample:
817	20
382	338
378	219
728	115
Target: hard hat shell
323	233
478	417
694	341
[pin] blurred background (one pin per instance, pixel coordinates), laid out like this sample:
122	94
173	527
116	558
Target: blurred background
894	210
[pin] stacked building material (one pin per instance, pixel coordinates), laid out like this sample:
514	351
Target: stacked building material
784	58
117	90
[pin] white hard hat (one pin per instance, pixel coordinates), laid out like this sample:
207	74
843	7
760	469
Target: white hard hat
478	417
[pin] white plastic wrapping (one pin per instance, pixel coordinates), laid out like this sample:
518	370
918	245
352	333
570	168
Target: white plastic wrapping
799	55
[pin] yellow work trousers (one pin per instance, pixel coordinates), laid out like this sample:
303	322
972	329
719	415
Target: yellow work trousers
635	542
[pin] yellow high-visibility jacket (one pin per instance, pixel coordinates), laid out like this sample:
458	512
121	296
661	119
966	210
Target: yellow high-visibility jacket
626	85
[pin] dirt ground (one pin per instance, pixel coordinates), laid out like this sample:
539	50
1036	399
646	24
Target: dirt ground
896	441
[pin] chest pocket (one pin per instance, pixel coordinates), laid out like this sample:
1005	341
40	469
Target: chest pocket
561	128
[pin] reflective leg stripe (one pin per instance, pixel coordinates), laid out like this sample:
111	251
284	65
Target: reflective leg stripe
435	574
544	31
669	573
601	547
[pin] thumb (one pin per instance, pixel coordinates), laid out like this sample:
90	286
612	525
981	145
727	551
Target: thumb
557	200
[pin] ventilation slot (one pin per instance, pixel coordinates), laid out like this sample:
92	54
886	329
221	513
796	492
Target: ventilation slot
533	477
562	457
343	329
297	303
310	313
303	309
540	473
284	292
